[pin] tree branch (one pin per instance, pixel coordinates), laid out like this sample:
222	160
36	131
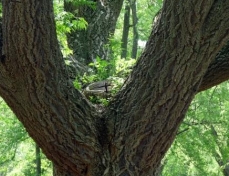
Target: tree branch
218	71
34	83
148	111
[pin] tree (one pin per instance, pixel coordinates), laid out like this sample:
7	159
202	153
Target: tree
133	7
130	5
134	132
125	33
89	44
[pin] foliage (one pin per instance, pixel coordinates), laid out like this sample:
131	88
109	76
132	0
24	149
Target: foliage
9	129
66	22
101	68
78	3
115	70
201	146
16	148
146	11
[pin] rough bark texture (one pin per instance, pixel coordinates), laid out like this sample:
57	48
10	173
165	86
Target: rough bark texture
133	134
92	42
218	71
35	84
148	111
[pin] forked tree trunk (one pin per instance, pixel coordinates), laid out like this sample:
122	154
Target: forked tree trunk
137	128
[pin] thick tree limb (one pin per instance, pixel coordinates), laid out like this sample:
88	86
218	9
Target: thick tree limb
35	84
147	112
218	71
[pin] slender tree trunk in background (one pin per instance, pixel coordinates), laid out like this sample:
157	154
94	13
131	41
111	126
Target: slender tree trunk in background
134	51
92	42
125	31
38	161
134	132
130	5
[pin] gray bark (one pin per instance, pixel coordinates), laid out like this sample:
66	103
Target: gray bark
146	114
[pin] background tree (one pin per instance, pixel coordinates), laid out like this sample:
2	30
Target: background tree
133	7
130	6
125	31
139	125
101	17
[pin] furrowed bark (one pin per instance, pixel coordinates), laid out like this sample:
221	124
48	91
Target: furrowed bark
148	111
34	83
218	71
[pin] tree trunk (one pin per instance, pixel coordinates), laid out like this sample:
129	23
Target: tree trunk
145	115
58	171
38	161
92	42
125	31
134	51
132	135
34	83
